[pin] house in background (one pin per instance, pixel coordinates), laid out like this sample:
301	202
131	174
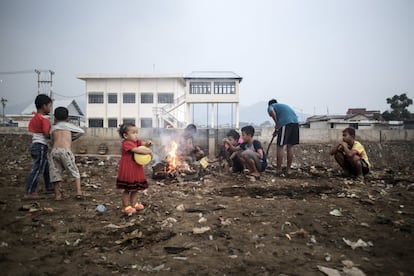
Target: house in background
358	118
157	100
76	115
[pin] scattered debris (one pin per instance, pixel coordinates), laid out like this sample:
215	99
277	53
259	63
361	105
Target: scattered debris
354	271
180	208
175	249
31	207
168	222
101	208
336	213
358	243
136	234
201	230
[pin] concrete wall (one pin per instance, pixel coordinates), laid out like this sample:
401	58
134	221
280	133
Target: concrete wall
204	137
392	149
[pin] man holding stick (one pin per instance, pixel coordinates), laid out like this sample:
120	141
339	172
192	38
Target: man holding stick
287	127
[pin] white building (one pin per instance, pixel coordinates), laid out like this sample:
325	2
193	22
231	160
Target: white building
76	115
156	100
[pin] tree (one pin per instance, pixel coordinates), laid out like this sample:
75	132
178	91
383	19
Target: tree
399	111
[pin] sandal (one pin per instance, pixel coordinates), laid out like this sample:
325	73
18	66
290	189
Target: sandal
31	196
138	206
129	210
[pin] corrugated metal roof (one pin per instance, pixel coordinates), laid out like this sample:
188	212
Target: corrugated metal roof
66	103
316	118
128	76
213	75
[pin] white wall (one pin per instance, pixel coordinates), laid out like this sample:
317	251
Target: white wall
135	110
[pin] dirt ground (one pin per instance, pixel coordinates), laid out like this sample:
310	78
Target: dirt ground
212	223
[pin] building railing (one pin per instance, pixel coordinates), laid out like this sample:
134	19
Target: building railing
165	114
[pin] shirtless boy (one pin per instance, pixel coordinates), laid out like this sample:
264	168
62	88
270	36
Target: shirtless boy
61	156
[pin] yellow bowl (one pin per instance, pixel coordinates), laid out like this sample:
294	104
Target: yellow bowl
142	159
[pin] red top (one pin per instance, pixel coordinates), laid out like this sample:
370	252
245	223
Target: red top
131	175
39	124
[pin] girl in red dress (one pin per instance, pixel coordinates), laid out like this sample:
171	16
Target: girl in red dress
131	177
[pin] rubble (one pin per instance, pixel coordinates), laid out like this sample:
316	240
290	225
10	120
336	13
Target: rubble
226	225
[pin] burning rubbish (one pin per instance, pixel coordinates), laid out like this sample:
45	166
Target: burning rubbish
173	165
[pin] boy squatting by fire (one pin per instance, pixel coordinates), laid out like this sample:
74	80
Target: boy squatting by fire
252	155
230	148
351	155
131	177
186	147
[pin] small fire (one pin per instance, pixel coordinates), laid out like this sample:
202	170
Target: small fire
172	157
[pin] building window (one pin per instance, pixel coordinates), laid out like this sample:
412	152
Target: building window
74	120
95	123
95	98
354	125
128	121
146	123
112	98
112	123
200	88
225	87
147	98
128	98
165	98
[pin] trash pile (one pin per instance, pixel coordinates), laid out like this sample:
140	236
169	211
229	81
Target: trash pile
175	165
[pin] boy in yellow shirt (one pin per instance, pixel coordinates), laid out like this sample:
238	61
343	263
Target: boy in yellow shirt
351	155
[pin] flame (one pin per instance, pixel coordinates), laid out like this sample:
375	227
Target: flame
172	157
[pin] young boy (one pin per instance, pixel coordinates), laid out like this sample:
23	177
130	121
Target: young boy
231	147
252	155
40	127
351	155
186	147
61	157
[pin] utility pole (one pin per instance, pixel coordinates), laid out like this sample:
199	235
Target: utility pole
3	103
45	84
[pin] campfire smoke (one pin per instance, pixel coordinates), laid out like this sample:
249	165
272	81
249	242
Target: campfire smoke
173	165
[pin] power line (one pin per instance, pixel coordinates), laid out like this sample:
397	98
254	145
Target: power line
64	96
17	72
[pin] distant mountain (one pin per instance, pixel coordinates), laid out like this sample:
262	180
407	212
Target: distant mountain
255	113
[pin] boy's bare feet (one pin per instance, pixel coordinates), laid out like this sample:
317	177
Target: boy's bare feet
58	196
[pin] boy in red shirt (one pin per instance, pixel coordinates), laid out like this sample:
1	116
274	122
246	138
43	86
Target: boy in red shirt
40	127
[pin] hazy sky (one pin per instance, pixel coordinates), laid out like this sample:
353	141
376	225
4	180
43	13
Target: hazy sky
318	56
